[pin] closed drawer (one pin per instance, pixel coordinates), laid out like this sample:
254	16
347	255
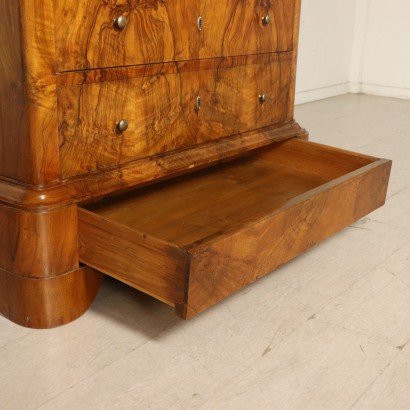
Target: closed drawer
159	103
89	34
195	240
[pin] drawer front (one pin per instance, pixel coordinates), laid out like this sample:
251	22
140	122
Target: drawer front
234	27
160	106
98	34
194	240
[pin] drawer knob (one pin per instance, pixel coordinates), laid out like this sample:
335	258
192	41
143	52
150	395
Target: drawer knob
122	125
120	22
263	98
266	20
198	103
200	23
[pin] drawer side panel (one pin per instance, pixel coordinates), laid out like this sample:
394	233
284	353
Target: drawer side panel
229	263
139	260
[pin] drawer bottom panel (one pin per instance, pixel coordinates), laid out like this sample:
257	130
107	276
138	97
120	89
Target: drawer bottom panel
194	240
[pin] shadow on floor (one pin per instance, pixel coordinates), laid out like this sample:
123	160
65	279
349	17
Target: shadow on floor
131	308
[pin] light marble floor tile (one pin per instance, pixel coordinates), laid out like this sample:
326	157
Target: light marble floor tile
352	126
317	367
395	146
398	264
9	334
46	363
390	391
377	305
396	213
310	369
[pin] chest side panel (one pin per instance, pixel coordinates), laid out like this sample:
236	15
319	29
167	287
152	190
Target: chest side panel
14	152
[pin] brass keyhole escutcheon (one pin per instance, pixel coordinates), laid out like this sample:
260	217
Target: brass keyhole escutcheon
198	103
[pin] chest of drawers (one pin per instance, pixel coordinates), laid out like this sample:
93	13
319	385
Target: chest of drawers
154	141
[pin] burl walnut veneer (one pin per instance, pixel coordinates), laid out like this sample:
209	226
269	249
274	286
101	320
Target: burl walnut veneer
154	141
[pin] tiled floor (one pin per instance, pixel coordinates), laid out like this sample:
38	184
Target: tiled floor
329	330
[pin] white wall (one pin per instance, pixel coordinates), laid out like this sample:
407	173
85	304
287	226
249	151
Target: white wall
325	48
354	46
386	59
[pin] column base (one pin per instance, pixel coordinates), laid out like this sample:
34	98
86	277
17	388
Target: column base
44	303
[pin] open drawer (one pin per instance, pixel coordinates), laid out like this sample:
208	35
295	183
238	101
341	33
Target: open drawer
196	239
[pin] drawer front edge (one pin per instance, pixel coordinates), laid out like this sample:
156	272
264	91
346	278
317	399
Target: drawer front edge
162	111
229	263
89	36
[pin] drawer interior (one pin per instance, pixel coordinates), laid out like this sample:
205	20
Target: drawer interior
196	207
230	207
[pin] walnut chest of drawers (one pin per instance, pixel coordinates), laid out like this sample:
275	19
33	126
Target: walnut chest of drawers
154	141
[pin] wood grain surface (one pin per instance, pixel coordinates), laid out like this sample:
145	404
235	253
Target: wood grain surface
229	262
141	172
167	30
316	159
28	117
161	109
142	261
14	151
38	244
295	50
44	303
232	223
194	208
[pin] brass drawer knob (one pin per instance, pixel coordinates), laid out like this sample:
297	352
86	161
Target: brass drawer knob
263	98
120	22
266	20
122	125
